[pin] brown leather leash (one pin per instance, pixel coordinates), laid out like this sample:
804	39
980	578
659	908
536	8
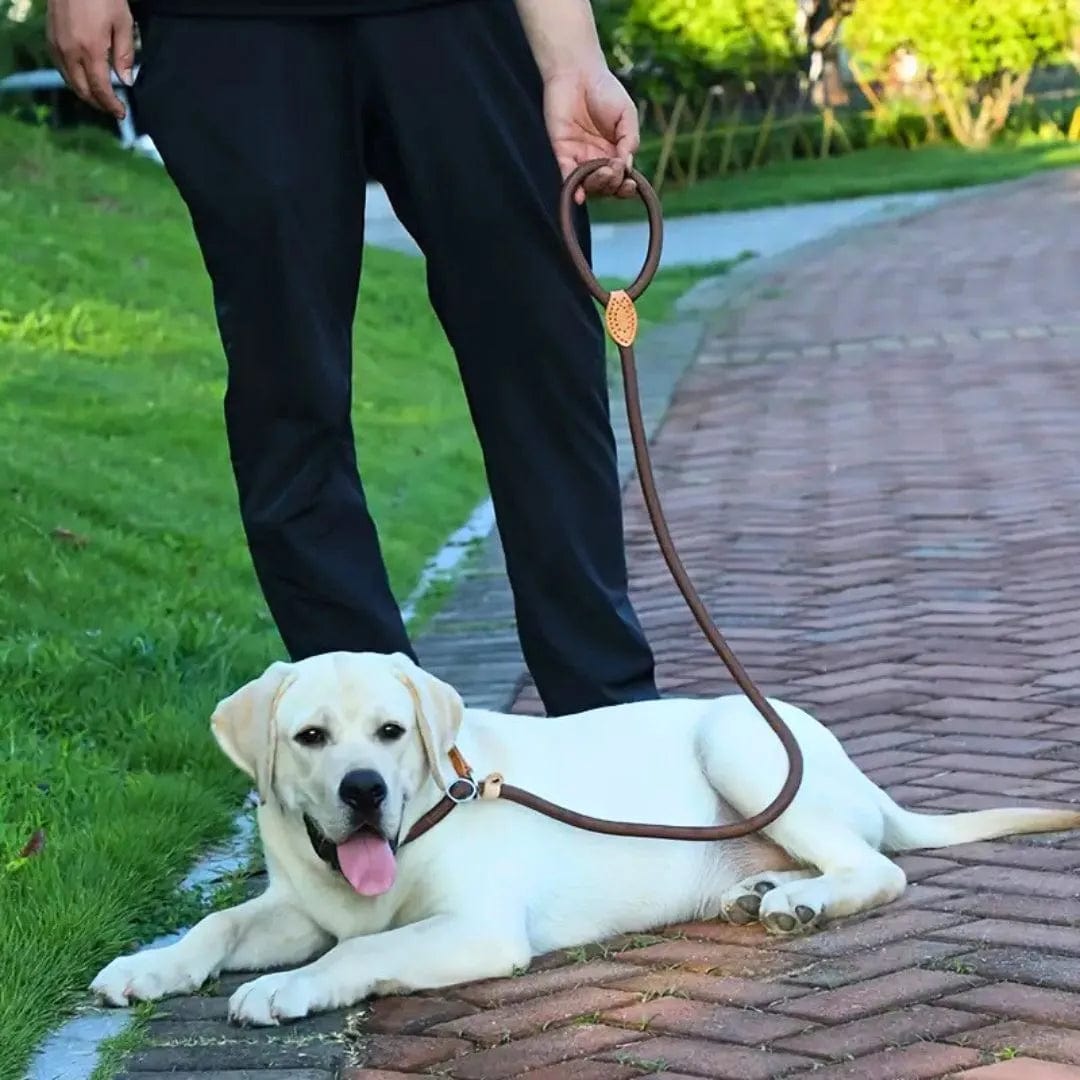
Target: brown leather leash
621	320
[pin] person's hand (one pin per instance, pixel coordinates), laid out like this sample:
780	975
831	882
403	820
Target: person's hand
84	36
590	115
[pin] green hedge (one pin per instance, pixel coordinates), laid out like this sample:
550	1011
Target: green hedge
973	60
22	40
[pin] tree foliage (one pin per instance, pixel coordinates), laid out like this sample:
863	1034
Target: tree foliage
743	37
691	45
22	35
974	57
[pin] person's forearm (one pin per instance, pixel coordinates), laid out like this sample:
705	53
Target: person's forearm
561	33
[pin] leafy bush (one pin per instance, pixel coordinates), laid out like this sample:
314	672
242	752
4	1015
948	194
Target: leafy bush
974	58
743	37
688	46
22	36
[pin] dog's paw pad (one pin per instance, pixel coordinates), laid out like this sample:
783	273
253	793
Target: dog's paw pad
751	904
782	914
781	922
742	903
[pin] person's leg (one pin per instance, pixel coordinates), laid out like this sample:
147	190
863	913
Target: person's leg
254	119
455	131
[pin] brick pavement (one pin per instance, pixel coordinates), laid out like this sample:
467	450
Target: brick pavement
872	471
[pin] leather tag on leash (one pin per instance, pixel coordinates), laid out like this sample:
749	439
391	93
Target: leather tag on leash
620	315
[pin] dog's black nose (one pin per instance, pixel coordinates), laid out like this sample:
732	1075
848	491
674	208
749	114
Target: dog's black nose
362	789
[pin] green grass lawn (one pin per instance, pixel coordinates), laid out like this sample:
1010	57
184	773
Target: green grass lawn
880	171
127	602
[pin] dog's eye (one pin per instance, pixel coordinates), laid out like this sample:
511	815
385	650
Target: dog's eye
390	732
311	736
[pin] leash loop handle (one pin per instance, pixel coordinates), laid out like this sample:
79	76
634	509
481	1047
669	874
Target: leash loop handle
570	236
621	325
646	479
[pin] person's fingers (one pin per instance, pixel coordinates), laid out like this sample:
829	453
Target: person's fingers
60	61
77	80
607	180
566	166
99	78
612	179
616	176
627	137
598	181
63	53
80	46
123	48
627	142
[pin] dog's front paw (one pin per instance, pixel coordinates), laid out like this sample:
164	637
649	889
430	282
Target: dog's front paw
146	976
273	999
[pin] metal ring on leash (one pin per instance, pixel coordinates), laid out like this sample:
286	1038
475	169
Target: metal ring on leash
470	786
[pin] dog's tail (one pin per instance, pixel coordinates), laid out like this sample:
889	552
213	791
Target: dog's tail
908	831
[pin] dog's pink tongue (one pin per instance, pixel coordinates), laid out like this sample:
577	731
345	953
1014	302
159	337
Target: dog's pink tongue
368	864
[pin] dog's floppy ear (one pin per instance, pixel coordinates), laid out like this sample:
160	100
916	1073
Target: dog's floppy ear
439	711
245	728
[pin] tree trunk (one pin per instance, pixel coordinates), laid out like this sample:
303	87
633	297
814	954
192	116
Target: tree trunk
976	128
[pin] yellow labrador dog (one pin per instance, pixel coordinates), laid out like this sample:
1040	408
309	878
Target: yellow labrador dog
348	751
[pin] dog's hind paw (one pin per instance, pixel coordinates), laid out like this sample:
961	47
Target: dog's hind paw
793	909
742	903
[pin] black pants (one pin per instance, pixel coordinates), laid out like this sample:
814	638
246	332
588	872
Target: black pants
270	129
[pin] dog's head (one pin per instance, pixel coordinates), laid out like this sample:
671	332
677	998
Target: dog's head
343	741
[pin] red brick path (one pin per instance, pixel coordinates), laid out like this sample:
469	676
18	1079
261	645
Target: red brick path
875	478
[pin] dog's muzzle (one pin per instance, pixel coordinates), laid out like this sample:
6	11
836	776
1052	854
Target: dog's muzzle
326	849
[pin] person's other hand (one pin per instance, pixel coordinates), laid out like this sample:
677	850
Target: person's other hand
590	115
84	36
